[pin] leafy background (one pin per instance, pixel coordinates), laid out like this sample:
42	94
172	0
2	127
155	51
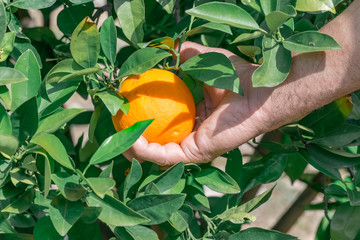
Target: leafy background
54	183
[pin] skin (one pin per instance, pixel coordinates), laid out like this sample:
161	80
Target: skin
226	120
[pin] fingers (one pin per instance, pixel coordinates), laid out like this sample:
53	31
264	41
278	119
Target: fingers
166	155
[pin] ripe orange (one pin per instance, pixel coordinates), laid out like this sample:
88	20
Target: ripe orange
160	95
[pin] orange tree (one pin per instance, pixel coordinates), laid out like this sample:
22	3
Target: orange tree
54	188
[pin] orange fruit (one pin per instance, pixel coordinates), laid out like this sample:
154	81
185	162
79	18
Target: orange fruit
160	95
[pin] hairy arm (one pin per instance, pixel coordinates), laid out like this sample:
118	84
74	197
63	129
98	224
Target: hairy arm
227	120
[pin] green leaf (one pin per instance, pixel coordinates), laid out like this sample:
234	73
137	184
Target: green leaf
64	214
3	21
169	178
196	198
295	166
16	236
5	225
141	61
5	168
329	117
236	217
310	41
324	168
180	219
135	232
131	15
158	208
315	6
100	185
33	4
8	144
54	121
208	28
25	120
94	121
233	163
92	232
55	149
18	176
6	45
255	202
66	69
10	76
253	4
342	226
108	39
115	212
225	13
339	137
58	94
44	230
276	65
259	233
168	5
119	142
90	214
5	123
250	51
330	158
247	36
266	170
85	43
132	178
68	185
112	100
214	69
276	19
70	17
5	96
268	6
80	1
20	204
23	91
8	191
47	176
217	180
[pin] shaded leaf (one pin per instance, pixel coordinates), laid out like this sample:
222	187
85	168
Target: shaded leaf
276	65
20	204
259	233
68	185
64	214
342	226
158	208
214	69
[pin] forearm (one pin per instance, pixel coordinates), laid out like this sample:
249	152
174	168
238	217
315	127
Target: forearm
319	78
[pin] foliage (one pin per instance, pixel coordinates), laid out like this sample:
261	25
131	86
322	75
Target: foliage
52	187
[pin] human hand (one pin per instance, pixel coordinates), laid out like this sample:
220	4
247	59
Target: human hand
224	119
